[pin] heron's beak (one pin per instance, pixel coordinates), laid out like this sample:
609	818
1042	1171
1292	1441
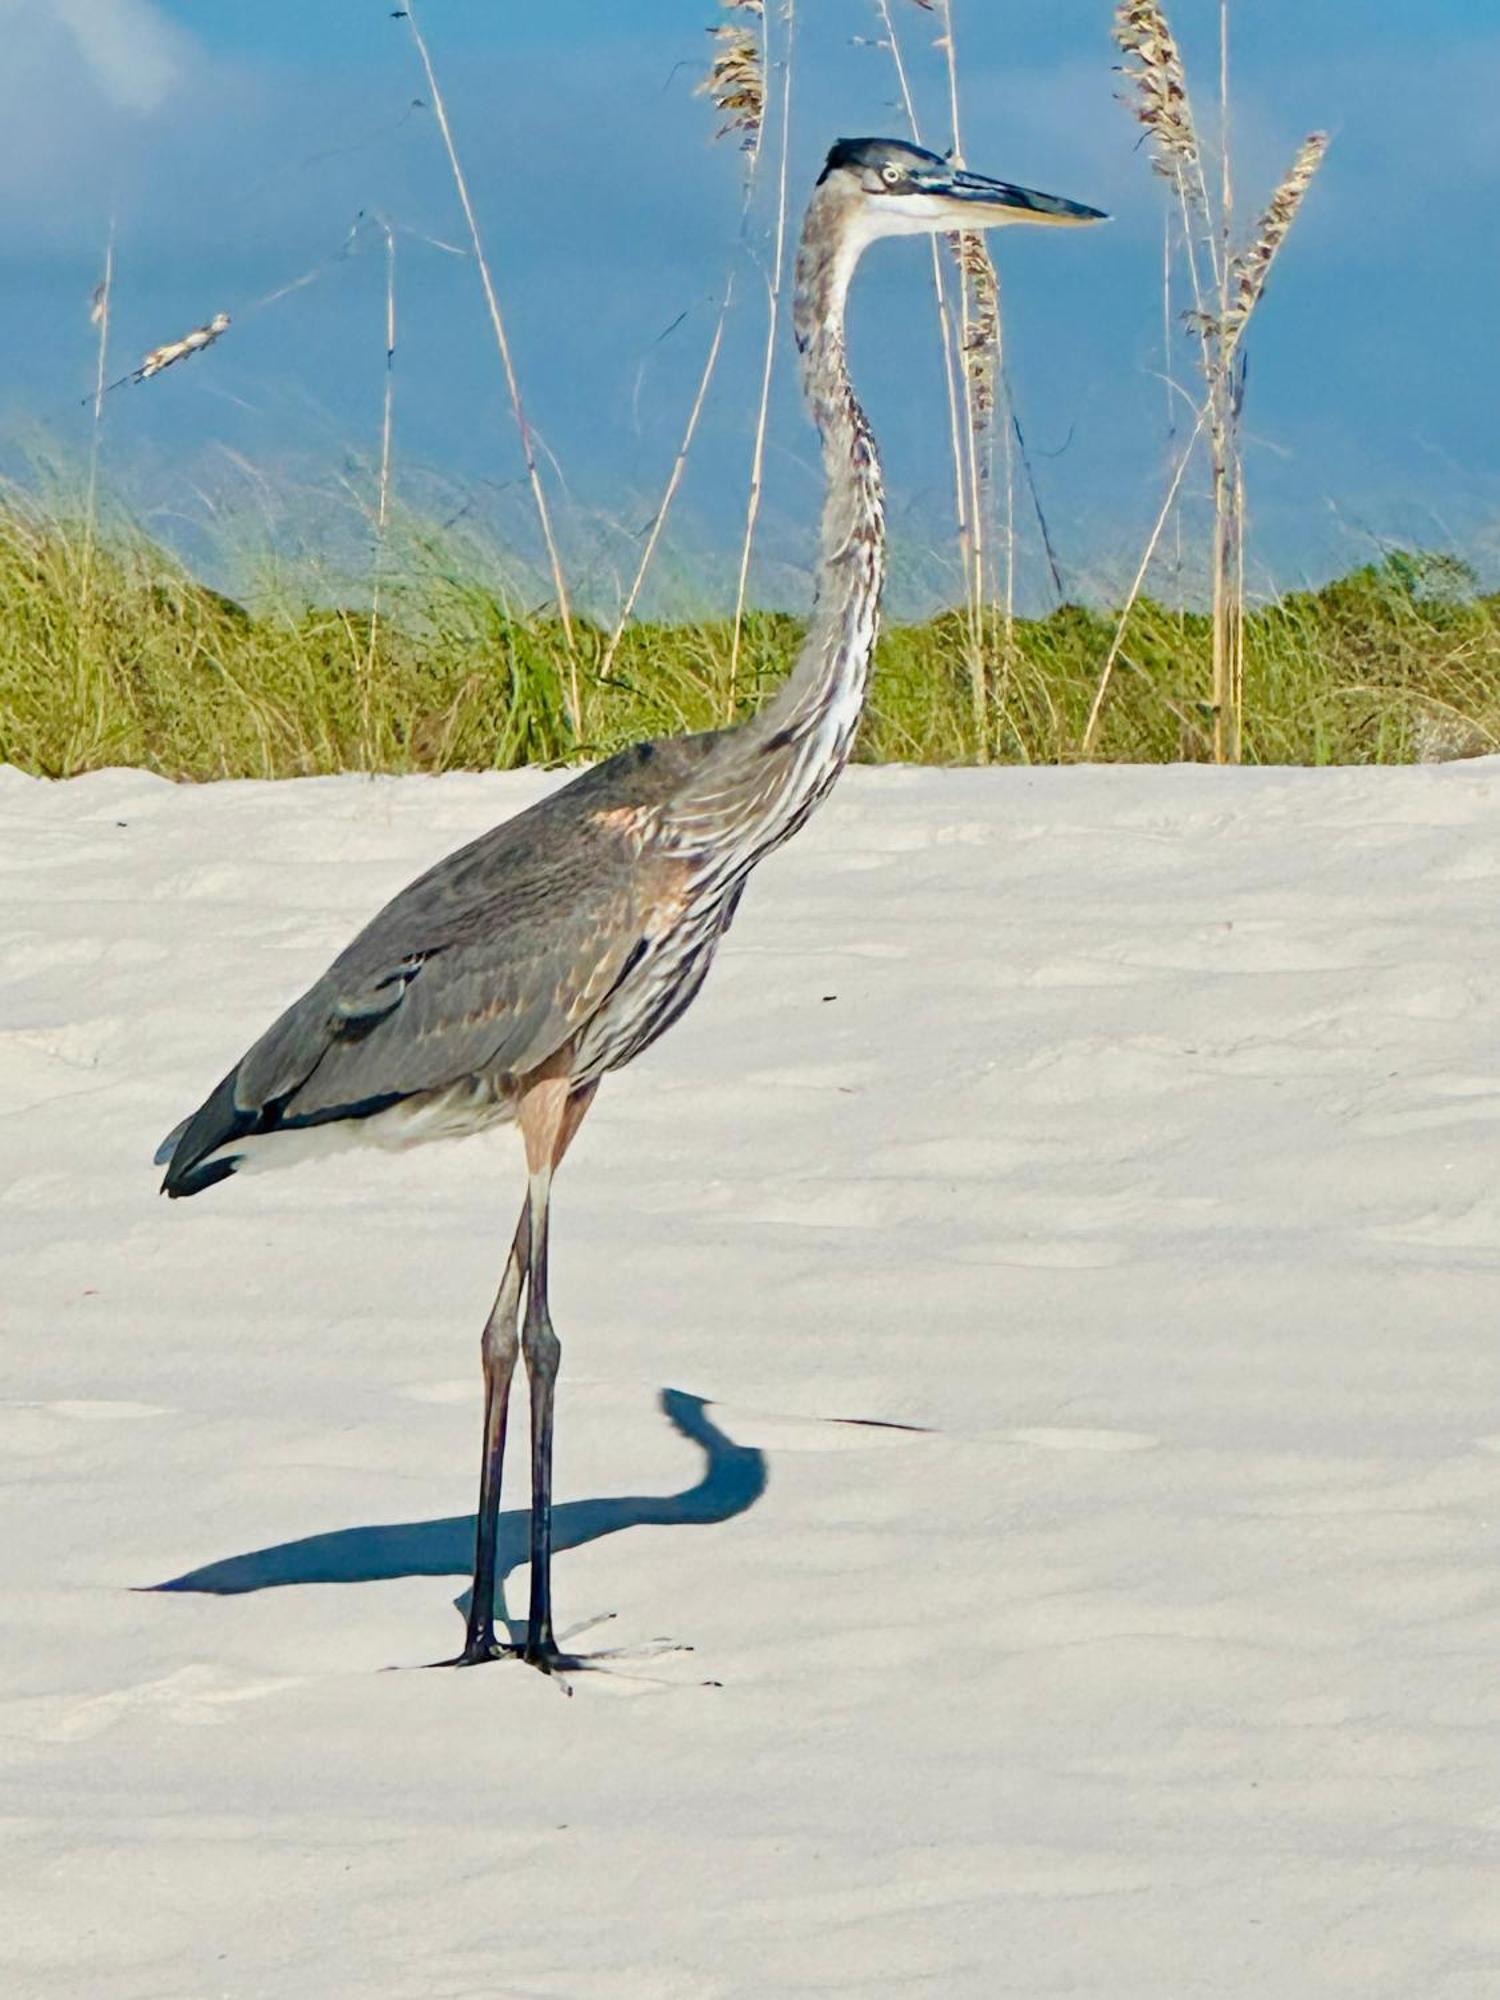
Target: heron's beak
977	203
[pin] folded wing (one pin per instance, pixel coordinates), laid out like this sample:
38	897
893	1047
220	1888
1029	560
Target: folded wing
485	966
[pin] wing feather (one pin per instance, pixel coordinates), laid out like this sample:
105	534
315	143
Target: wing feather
485	966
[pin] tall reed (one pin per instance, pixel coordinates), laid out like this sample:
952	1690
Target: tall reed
891	42
979	344
736	86
383	491
1227	284
507	362
100	306
971	343
775	284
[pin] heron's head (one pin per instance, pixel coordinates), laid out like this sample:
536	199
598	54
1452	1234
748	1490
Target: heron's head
886	187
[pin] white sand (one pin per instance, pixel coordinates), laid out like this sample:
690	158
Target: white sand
1133	1130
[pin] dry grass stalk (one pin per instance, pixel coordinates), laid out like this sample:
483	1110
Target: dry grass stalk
979	291
1160	101
975	445
1117	644
383	498
774	287
1224	439
736	84
100	305
674	480
892	43
507	362
981	330
736	80
1158	97
178	350
387	413
1172	388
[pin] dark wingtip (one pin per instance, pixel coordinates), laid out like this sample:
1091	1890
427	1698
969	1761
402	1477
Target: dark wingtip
168	1145
195	1179
217	1121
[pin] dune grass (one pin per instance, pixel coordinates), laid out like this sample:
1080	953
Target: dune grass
111	653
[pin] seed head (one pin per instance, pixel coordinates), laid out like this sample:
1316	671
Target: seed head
1153	68
178	350
981	328
736	80
1252	265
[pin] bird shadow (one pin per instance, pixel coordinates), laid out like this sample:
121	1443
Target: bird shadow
733	1479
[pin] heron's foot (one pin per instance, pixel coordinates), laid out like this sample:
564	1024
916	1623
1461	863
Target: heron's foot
546	1656
480	1648
549	1658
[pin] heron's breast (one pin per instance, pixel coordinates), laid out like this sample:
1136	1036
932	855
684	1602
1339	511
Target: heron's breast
660	979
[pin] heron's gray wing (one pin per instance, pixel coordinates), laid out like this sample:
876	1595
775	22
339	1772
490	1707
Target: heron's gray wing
485	966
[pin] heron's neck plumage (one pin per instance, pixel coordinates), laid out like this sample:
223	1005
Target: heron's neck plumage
768	774
826	688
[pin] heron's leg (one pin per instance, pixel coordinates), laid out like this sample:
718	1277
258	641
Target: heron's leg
498	1350
550	1116
543	1352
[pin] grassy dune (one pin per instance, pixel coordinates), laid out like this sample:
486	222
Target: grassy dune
113	654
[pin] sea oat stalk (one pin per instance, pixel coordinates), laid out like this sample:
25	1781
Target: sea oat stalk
736	85
507	362
979	333
173	351
774	287
736	80
674	480
1117	644
383	495
99	311
1153	68
946	339
1221	311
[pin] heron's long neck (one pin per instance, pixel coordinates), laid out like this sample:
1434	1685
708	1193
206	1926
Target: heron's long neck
762	779
817	710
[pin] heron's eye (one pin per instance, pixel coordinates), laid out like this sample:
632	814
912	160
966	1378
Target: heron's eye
890	175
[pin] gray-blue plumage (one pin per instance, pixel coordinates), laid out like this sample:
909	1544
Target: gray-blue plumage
485	966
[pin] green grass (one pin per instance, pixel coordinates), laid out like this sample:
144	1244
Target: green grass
110	653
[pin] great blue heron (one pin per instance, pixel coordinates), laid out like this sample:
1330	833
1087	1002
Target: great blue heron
505	982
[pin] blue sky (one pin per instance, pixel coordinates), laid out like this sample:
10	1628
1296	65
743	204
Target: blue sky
233	146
